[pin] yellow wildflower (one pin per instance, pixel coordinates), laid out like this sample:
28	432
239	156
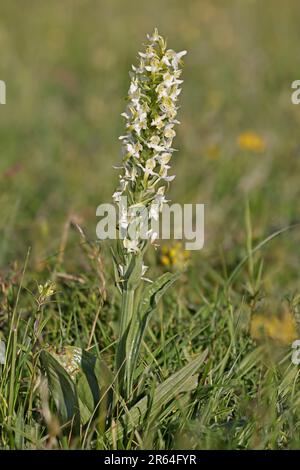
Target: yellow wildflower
173	253
165	260
175	256
282	329
250	140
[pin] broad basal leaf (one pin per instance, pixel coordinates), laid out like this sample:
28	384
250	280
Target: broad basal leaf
63	391
93	381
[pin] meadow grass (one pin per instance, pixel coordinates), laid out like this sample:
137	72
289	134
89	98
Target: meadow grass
236	304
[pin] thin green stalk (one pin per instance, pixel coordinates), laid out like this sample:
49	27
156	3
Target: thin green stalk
11	397
249	246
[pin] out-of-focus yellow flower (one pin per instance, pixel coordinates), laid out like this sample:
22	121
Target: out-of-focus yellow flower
250	140
282	329
165	260
175	256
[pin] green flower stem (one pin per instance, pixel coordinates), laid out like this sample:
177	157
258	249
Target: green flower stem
127	311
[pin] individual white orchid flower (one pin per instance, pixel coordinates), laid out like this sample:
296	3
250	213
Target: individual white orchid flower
130	245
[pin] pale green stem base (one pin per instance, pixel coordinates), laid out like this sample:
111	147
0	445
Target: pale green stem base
127	311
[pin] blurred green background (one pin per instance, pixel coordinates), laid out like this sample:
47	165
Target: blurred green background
66	63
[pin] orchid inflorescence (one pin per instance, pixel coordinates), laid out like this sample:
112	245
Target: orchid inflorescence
147	145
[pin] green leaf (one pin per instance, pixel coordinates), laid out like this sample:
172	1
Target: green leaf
249	361
180	383
150	298
93	380
94	388
19	428
63	391
116	271
154	292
